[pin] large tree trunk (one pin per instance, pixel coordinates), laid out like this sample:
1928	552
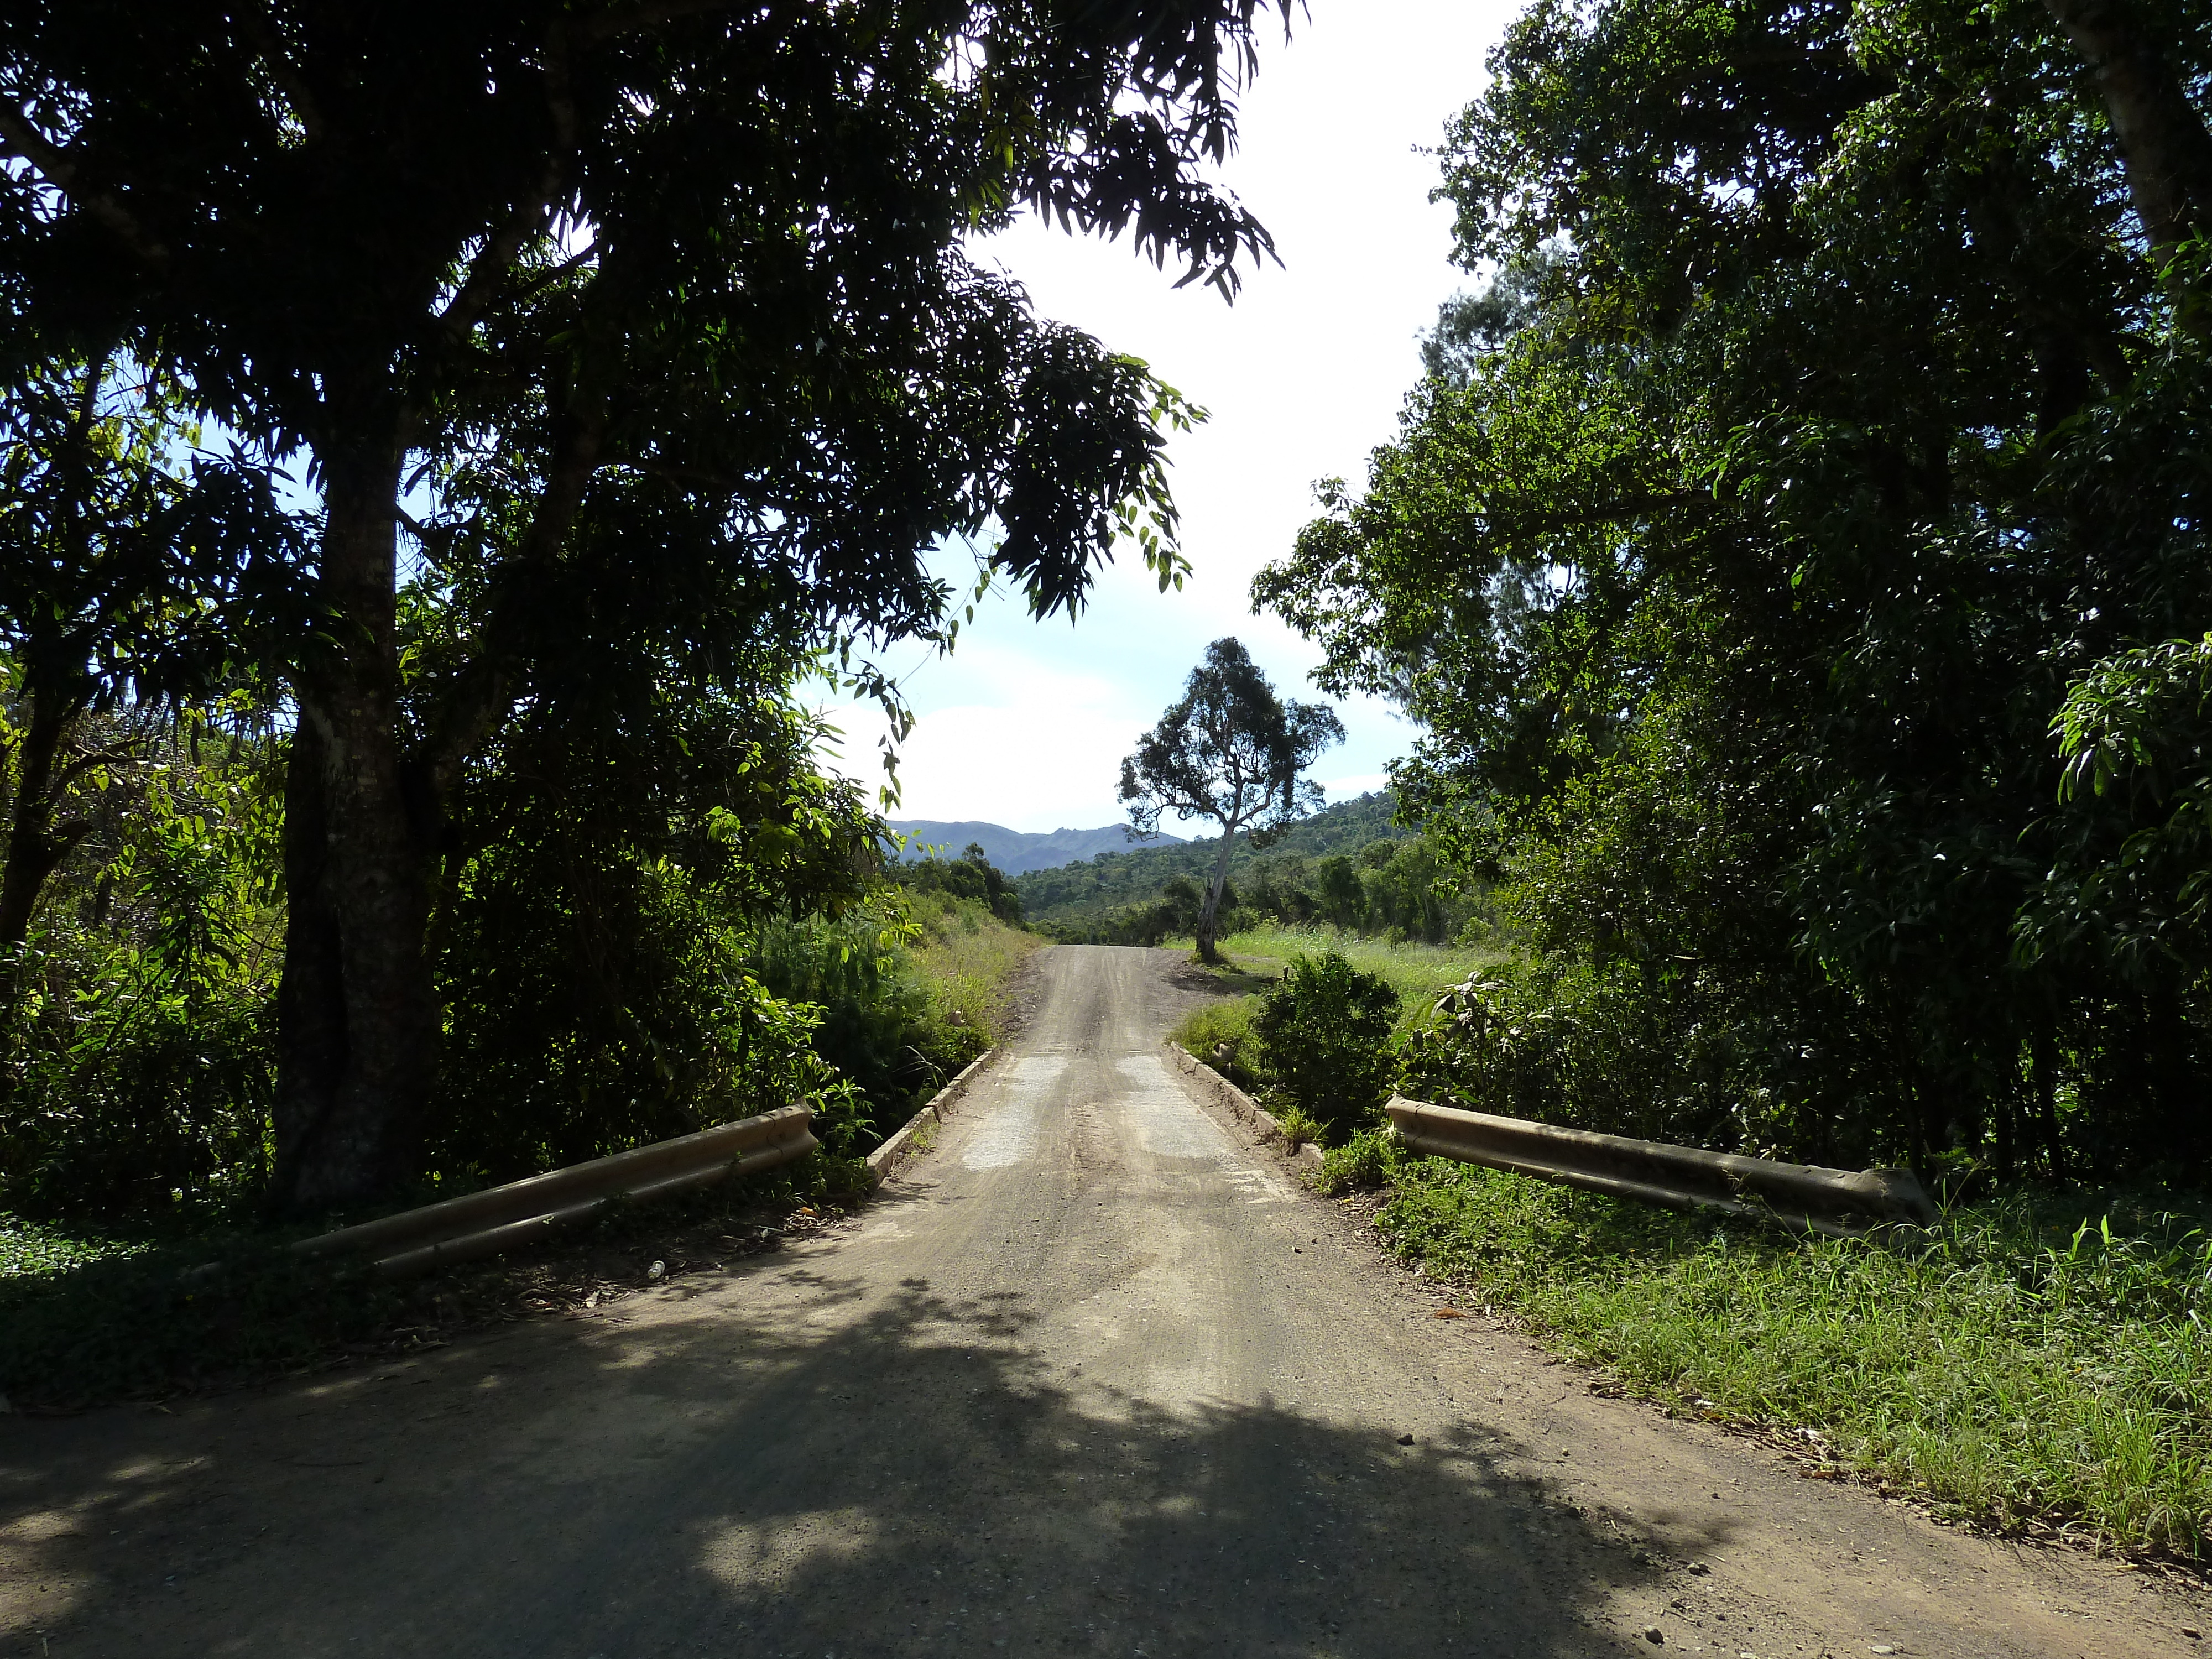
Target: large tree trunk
1209	908
356	1025
2164	144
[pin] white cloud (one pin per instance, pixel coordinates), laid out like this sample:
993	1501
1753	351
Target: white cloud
1026	724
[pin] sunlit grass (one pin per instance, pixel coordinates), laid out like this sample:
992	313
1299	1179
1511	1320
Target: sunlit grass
969	957
1420	973
31	1247
2028	1362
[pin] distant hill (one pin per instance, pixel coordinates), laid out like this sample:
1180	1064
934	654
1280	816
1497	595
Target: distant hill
1072	899
1018	852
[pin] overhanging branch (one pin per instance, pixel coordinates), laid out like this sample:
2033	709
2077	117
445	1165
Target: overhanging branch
60	169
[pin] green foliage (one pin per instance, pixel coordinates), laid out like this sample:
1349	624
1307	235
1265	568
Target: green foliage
1324	1036
1347	865
600	953
970	876
2041	1359
642	443
1225	1033
139	1058
1823	446
1230	751
1360	1164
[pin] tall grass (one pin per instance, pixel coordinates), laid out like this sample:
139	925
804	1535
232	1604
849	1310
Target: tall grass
2040	1360
969	957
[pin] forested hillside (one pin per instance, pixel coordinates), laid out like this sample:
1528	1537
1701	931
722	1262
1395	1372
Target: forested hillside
1016	852
1348	864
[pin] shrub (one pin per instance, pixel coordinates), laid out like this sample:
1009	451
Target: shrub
1324	1034
1221	1034
1361	1164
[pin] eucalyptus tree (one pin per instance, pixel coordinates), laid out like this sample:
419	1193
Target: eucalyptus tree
1229	750
691	271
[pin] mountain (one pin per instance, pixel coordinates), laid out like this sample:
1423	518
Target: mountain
1016	852
1068	900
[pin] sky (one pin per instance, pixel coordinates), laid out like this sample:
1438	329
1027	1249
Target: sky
1025	723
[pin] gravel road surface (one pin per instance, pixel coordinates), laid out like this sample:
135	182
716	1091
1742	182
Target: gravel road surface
1094	1375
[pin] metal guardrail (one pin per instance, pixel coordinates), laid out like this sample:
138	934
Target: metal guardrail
1843	1203
517	1216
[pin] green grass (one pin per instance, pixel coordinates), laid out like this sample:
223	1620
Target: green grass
2038	1360
969	957
1418	972
1257	956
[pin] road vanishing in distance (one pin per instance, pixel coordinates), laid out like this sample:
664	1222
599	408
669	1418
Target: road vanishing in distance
1095	1375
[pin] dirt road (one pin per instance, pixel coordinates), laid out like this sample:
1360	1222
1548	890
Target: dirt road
1095	1377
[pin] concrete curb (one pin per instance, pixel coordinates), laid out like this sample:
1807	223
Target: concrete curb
887	1159
1306	1158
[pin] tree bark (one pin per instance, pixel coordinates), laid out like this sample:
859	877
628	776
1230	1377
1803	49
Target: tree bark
33	850
1209	908
2164	145
356	1024
31	856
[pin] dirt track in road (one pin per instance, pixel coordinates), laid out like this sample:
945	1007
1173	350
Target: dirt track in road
1094	1376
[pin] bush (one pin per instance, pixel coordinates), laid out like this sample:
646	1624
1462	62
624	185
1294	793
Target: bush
1360	1165
1226	1025
137	1050
1324	1036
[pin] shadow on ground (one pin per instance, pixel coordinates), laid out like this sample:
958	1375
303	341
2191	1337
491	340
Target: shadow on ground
907	1480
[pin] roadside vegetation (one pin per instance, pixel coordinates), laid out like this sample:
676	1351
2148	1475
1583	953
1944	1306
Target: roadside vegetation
1350	868
131	1292
2042	1363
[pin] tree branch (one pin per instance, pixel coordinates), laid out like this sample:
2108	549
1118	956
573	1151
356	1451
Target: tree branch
269	47
476	706
488	270
60	170
2165	147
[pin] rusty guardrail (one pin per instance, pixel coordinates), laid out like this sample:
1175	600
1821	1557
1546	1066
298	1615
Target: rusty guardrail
515	1217
1839	1202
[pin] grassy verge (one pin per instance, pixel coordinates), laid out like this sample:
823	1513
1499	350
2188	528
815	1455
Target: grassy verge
1419	973
2041	1362
968	958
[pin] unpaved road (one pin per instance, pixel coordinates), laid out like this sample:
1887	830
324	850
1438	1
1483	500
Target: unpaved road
1095	1377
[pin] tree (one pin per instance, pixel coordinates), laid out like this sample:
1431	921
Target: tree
1739	575
129	572
661	305
1230	751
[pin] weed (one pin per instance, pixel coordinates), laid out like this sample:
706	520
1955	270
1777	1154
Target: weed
2025	1365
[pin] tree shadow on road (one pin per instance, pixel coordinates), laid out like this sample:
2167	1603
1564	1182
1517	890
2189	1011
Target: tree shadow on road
911	1482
